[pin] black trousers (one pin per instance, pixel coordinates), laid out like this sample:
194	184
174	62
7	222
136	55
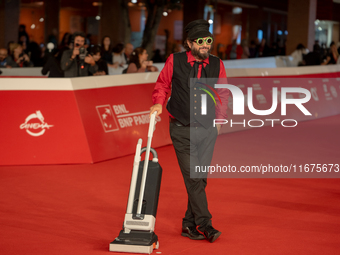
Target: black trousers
194	146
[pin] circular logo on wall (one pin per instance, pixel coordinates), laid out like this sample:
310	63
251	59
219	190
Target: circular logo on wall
35	124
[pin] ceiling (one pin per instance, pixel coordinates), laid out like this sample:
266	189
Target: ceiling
79	4
279	4
326	8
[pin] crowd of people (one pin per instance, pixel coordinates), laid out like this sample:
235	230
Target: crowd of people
254	49
319	55
74	56
300	57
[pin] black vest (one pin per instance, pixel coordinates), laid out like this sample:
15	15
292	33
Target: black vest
185	101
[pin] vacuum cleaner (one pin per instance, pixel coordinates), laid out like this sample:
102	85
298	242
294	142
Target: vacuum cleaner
137	235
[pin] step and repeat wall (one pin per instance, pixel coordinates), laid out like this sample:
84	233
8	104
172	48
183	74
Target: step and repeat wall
91	119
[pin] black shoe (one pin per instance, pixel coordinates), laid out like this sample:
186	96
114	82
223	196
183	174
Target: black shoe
192	233
209	233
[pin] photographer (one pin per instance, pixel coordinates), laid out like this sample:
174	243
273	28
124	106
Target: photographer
18	58
139	63
76	62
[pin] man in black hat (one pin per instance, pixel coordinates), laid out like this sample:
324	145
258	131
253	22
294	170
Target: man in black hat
192	133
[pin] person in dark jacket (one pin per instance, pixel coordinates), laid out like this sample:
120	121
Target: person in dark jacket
52	66
106	50
313	58
75	64
102	65
333	55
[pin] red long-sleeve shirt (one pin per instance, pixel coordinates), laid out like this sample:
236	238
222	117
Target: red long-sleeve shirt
163	84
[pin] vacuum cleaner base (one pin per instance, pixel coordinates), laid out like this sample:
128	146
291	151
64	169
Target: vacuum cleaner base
135	242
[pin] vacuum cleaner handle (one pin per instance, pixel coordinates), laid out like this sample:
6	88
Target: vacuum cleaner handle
152	126
134	176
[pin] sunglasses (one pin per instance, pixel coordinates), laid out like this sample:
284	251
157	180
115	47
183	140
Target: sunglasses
200	41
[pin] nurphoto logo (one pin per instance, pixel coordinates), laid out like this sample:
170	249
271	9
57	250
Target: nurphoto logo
238	105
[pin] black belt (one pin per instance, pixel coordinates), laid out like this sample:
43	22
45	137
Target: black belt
179	124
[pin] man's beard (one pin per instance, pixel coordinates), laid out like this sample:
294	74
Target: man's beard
197	54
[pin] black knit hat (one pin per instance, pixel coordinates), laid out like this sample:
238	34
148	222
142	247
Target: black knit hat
197	29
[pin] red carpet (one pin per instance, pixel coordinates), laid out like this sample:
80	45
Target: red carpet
79	209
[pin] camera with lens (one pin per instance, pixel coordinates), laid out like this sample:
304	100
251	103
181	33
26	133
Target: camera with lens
82	53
